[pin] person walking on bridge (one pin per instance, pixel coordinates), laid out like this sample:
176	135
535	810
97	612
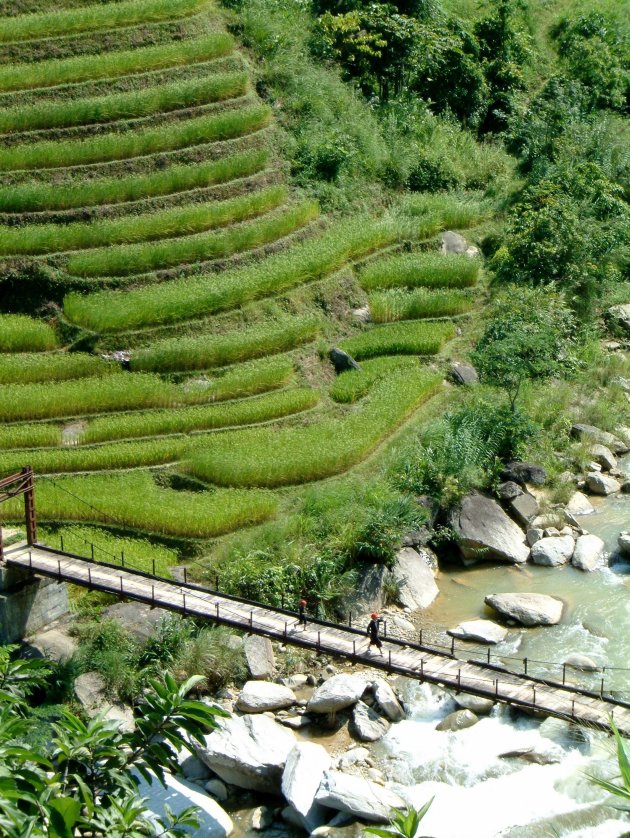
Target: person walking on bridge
302	620
373	629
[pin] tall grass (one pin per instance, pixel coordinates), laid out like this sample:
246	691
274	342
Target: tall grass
95	17
388	306
34	239
128	105
287	456
352	385
122	260
59	366
134	500
39	435
400	339
51	154
434	212
192	297
426	270
19	333
34	196
209	417
205	351
111	65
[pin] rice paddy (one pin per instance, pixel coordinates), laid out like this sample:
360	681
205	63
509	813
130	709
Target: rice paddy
389	306
400	339
421	270
59	366
19	333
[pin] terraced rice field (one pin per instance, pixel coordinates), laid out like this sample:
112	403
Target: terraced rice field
170	299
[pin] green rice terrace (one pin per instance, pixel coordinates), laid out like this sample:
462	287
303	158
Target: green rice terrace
174	298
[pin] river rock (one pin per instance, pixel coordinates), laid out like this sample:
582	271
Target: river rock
527	609
178	795
341	361
581	662
248	751
459	720
414	579
303	773
192	767
485	531
508	490
524	508
623	541
537	756
579	504
475	703
534	534
625	487
554	551
604	456
260	658
355	756
358	796
336	693
464	374
260	696
217	789
616	445
386	699
588	552
261	818
524	473
480	631
367	724
53	644
602	484
619	315
369	592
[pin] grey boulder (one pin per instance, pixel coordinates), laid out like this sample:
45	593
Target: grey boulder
623	542
588	552
619	316
603	456
479	631
453	242
414	579
459	720
260	696
553	551
260	658
387	701
524	508
524	473
579	504
303	773
581	662
367	724
336	693
527	609
464	374
178	795
357	796
476	704
485	531
616	445
602	484
341	361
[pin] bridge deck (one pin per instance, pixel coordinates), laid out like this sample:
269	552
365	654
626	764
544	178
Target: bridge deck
408	659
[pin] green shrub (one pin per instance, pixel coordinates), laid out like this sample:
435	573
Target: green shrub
27	368
31	196
78	68
121	260
264	457
241	344
52	154
424	270
399	339
128	105
95	17
197	296
19	333
178	221
388	306
208	653
352	385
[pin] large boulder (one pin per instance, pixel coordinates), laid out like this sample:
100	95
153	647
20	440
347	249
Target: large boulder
579	504
179	795
479	631
527	609
260	696
414	579
303	773
357	796
386	699
369	593
623	542
524	473
367	724
590	432
619	316
588	552
453	242
464	374
91	693
53	644
581	662
260	658
459	720
485	531
603	456
336	693
478	705
553	551
249	752
341	361
602	484
524	508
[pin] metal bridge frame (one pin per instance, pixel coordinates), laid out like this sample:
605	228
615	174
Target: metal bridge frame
22	483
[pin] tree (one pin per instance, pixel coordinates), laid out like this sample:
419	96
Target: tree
528	336
86	784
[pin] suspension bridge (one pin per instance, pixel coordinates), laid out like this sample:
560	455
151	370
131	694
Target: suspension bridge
424	663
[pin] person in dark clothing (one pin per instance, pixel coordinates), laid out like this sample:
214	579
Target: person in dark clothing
302	613
372	632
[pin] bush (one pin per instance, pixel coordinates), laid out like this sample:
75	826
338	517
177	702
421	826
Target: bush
210	654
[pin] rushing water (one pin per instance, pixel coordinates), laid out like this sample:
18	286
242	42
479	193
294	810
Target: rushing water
477	793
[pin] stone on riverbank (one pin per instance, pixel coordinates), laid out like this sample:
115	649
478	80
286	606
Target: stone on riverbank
358	796
367	724
249	752
386	699
485	531
524	508
554	551
596	435
178	795
475	703
603	456
523	473
623	541
579	504
581	662
260	696
413	575
527	609
588	552
260	658
336	693
602	484
459	720
479	631
302	776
